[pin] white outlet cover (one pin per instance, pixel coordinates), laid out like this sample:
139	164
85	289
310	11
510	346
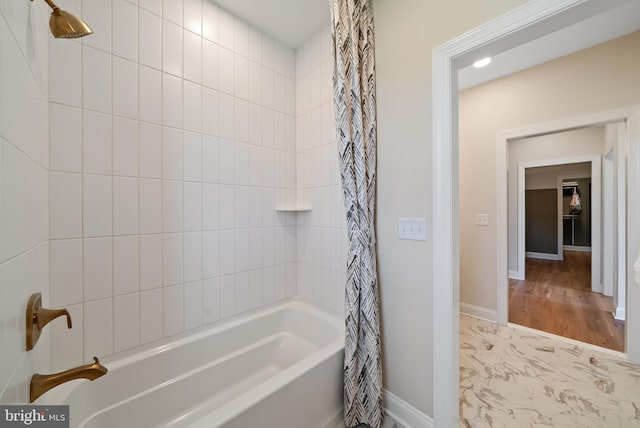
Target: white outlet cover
482	219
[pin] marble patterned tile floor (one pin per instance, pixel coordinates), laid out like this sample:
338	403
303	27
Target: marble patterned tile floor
513	378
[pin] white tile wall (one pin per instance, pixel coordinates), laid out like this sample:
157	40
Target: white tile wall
321	233
172	142
24	185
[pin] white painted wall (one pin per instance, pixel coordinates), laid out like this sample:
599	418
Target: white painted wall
24	183
406	31
593	80
546	177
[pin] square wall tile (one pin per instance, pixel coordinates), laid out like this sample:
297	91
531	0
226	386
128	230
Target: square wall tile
255	82
210	159
151	321
210	21
227	207
192	256
173	258
125	147
150	261
192	108
98	329
210	64
226	114
242	250
96	79
211	254
226	29
210	112
66	272
172	154
125	265
192	206
172	47
193	15
98	13
97	268
65	205
255	283
65	138
65	74
243	292
97	205
125	206
125	26
210	206
192	156
150	99
173	310
172	206
150	206
150	150
193	304
150	39
241	37
227	296
241	132
125	88
227	252
227	70
192	56
211	300
172	101
126	323
96	144
255	45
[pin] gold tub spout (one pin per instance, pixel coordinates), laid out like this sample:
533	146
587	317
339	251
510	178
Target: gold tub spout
42	383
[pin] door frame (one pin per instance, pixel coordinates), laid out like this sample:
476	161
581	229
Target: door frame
518	26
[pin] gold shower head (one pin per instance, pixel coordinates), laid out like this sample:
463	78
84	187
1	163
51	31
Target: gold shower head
65	25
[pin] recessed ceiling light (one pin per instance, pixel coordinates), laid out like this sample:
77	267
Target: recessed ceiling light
482	62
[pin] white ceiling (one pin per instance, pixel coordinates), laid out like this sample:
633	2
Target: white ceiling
293	22
290	22
615	23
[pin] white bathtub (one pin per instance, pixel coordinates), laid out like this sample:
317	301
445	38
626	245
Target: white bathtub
280	367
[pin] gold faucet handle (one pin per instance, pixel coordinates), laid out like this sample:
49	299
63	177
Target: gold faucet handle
37	317
45	316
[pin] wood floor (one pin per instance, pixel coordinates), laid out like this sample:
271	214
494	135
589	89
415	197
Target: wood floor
556	297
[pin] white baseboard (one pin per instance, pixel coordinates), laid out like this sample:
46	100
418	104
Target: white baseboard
542	256
620	313
403	413
577	248
398	413
479	312
514	274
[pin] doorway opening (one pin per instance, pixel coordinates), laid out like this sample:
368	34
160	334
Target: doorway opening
527	23
558	293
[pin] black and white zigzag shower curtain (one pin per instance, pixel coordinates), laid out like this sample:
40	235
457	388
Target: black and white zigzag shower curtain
355	107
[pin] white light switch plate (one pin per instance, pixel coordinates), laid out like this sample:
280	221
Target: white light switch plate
414	229
482	219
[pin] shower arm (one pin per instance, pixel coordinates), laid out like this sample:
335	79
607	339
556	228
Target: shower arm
51	4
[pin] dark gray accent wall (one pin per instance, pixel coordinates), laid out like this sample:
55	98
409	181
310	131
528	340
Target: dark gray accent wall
541	221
